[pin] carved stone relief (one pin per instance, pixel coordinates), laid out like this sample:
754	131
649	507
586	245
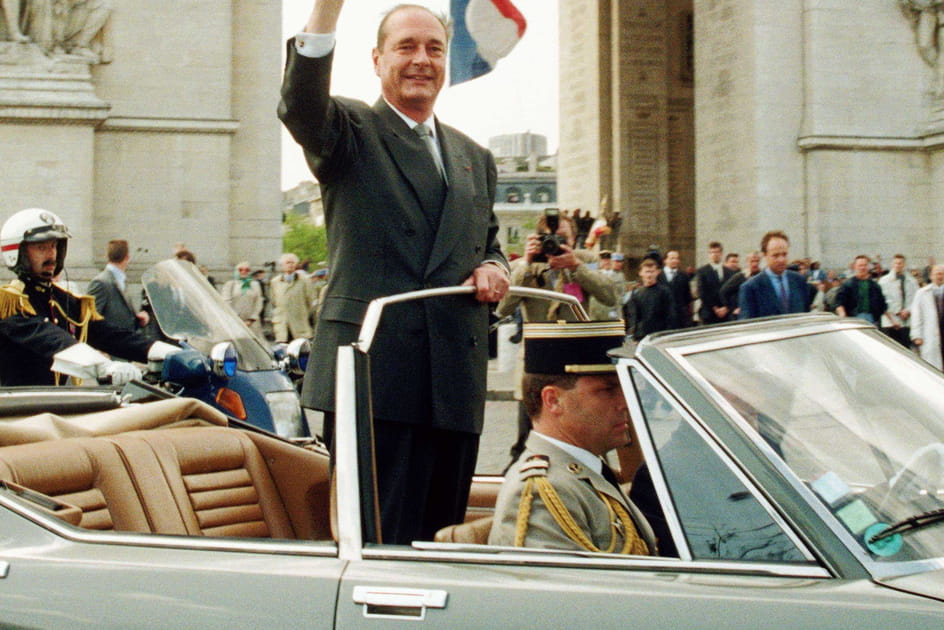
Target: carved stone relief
927	20
67	30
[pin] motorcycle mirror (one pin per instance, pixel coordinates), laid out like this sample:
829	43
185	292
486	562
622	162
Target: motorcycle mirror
297	354
224	359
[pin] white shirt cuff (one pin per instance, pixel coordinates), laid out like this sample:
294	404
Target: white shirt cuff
314	44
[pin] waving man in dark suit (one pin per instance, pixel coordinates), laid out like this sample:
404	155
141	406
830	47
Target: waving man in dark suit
408	204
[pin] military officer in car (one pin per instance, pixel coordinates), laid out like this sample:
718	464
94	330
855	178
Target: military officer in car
560	493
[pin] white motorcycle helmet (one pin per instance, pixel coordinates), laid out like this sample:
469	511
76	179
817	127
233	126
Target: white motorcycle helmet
33	225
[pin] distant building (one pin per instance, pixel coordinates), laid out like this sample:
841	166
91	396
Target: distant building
304	200
527	185
517	145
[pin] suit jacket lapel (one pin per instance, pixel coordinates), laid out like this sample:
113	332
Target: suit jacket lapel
109	278
412	159
457	207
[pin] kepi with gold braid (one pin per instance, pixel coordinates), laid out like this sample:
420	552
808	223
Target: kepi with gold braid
571	347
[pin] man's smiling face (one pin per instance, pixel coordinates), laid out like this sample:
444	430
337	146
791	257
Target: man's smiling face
411	61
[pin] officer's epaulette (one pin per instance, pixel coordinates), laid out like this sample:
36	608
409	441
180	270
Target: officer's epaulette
13	301
534	466
87	308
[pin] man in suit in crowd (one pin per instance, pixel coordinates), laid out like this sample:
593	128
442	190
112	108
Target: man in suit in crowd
732	286
777	290
560	487
860	296
710	277
110	289
899	288
680	285
408	205
650	307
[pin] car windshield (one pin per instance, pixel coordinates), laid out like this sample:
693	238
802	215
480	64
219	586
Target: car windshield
858	421
188	308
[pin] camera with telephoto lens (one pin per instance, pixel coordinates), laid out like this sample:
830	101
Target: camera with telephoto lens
550	242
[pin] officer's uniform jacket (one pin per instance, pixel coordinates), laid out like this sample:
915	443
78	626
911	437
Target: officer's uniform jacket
578	488
33	330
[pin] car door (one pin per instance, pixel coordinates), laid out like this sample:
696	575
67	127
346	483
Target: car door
53	575
737	563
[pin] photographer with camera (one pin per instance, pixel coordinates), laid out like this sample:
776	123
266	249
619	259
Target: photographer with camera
552	262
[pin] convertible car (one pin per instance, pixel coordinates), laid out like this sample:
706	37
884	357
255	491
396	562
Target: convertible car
795	469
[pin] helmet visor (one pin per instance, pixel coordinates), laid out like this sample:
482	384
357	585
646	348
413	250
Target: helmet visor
46	233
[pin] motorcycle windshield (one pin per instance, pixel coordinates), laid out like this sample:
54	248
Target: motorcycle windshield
189	309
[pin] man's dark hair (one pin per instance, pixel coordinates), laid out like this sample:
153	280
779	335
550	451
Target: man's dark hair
715	245
382	28
532	384
116	250
731	255
772	234
186	254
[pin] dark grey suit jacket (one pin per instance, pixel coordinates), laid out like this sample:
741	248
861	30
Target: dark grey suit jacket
111	302
393	227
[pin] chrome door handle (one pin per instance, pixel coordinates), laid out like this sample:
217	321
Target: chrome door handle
391	602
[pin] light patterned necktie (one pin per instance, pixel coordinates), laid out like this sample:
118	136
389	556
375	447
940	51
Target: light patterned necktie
427	137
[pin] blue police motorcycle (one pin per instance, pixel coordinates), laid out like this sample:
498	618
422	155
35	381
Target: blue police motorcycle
223	363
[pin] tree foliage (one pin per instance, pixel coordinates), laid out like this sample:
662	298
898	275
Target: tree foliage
304	239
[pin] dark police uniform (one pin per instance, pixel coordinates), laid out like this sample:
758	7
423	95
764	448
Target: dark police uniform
40	319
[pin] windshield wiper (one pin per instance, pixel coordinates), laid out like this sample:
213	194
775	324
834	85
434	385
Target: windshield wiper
918	521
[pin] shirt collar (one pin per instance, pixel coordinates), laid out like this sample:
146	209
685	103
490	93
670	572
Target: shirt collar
429	122
582	455
772	275
119	275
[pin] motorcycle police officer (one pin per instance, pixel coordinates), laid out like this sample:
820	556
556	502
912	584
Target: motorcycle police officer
42	324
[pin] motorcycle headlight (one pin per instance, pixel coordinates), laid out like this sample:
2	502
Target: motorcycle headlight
224	359
286	413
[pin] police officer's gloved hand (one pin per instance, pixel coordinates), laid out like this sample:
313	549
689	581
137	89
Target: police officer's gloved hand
118	372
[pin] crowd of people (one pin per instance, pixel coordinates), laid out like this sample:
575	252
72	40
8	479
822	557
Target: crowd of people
666	295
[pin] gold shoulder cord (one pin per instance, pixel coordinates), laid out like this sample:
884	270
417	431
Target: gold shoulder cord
87	313
632	544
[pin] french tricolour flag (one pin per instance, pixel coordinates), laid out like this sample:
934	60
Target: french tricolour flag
484	32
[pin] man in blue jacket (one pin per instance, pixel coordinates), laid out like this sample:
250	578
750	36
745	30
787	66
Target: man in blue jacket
776	290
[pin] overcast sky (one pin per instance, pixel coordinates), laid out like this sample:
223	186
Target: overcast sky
519	95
